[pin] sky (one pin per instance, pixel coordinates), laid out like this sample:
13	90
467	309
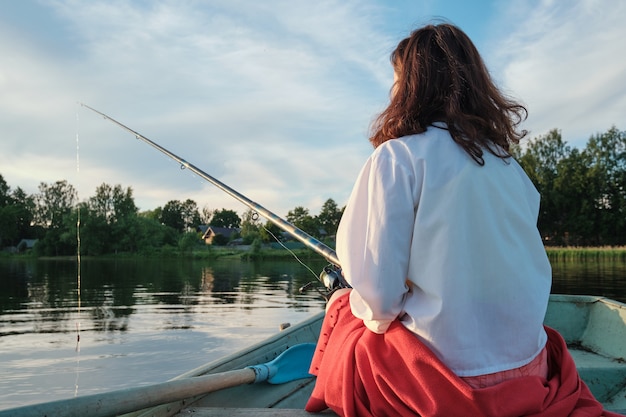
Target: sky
273	98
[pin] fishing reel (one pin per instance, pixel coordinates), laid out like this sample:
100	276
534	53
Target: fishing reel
332	279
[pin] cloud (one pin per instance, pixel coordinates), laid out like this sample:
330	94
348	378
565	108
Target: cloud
263	94
273	98
566	62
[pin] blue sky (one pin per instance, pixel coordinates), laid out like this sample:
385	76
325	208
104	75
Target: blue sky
273	98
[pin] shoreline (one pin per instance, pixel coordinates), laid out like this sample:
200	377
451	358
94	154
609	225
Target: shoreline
555	253
586	253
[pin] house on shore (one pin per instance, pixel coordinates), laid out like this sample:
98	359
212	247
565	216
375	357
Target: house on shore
24	245
210	232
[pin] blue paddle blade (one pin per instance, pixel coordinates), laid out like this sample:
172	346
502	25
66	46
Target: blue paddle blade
290	365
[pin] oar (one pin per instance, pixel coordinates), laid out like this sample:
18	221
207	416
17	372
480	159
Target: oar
290	365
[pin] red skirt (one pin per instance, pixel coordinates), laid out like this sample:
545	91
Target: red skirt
361	373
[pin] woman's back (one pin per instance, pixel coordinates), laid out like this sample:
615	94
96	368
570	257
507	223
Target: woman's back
476	259
465	236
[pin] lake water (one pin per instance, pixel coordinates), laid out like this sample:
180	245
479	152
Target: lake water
147	321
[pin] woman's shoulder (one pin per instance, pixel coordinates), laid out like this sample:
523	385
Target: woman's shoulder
435	142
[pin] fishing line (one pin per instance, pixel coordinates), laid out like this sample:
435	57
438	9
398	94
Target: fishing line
306	286
289	250
78	265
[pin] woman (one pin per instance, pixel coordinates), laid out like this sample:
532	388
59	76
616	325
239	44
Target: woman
450	280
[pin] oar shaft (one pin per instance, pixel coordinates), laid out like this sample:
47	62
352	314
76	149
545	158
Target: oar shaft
299	234
132	399
290	365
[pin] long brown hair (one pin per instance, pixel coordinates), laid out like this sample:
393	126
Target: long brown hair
441	77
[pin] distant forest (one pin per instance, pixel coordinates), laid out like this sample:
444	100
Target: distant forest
109	222
583	203
583	191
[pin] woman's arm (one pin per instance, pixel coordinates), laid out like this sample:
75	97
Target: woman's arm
374	237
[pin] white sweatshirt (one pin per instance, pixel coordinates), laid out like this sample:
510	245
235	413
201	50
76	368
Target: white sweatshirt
451	248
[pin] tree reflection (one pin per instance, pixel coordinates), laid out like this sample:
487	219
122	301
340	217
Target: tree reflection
47	297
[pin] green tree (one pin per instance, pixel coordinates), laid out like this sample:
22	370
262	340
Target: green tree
541	160
329	217
5	190
172	215
123	203
187	242
113	204
607	167
124	226
182	216
101	204
225	218
109	220
270	232
152	214
16	214
250	227
95	233
301	218
25	213
54	204
583	192
9	232
66	236
8	228
152	235
574	199
191	215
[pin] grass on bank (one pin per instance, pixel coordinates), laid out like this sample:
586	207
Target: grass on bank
571	253
196	254
556	254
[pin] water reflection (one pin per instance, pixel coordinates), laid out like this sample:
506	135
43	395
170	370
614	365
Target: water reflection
139	321
45	293
146	321
593	277
43	296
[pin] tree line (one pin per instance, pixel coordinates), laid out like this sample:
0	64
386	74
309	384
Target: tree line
583	191
583	203
109	222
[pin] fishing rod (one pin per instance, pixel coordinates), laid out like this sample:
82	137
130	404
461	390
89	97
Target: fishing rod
299	234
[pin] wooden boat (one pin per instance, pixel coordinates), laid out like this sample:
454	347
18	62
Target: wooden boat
594	328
